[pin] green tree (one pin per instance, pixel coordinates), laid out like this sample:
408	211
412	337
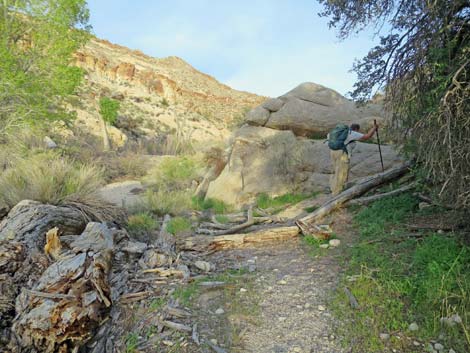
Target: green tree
423	65
109	109
37	40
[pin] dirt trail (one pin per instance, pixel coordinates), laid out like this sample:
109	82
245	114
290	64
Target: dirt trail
288	300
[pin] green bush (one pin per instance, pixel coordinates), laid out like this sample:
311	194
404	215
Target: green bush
48	178
141	223
123	166
166	201
218	206
170	185
109	110
177	225
177	172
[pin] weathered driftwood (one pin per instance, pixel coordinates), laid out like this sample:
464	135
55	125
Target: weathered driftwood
70	299
224	229
132	297
249	222
176	312
176	326
207	228
369	199
164	272
202	243
212	285
29	221
357	190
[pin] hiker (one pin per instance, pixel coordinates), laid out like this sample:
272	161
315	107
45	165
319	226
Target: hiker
341	142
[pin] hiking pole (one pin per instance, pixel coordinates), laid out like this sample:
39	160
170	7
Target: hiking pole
380	149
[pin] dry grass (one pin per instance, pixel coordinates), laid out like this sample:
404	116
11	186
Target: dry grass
123	166
50	179
170	185
163	200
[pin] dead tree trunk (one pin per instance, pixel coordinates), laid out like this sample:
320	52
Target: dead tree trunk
71	298
204	243
356	190
369	199
29	221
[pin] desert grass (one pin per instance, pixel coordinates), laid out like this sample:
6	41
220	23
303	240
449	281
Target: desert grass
50	179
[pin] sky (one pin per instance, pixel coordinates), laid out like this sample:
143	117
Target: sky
262	46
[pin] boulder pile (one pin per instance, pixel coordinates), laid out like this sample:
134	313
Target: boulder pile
272	153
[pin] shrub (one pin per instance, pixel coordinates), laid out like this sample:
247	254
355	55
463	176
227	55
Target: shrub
175	172
140	223
49	179
165	103
127	165
177	225
217	206
109	110
170	184
164	200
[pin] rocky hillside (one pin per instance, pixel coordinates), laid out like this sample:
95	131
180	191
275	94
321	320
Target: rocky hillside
157	95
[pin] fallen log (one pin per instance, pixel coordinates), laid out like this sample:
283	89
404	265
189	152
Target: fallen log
165	272
203	243
177	326
369	199
71	298
226	229
29	221
249	222
357	190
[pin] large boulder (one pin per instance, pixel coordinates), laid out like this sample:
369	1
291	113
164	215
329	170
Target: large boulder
275	162
311	109
125	194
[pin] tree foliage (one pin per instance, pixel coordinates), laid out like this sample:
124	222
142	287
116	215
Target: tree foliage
109	109
423	65
37	40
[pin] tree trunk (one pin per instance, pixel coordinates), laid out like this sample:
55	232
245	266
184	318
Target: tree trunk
204	243
357	190
62	310
369	199
105	136
29	221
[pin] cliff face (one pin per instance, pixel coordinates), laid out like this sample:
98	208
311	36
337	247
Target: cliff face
157	95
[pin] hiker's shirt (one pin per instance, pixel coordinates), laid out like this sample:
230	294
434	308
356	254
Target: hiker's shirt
350	141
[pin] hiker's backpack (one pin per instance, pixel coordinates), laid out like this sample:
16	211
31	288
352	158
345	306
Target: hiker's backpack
337	137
